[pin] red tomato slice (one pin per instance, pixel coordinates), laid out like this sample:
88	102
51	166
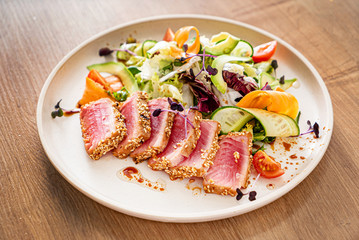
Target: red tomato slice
267	166
264	52
169	35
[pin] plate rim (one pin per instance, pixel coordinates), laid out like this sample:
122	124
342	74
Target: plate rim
192	217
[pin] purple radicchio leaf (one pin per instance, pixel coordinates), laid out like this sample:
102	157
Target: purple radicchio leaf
207	101
237	82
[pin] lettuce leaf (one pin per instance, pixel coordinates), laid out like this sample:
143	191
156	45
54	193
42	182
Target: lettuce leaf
207	101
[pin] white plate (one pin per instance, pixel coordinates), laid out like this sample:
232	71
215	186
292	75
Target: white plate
61	137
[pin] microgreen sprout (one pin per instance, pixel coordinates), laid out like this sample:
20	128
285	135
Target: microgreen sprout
240	194
106	51
59	111
281	80
266	87
238	99
274	65
185	48
176	108
312	129
252	194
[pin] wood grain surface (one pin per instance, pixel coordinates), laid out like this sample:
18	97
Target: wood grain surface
38	203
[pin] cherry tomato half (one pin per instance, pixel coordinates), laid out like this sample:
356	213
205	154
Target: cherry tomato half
267	166
264	51
169	35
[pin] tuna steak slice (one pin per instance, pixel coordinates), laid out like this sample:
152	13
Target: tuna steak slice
137	118
103	127
179	145
231	166
202	156
160	131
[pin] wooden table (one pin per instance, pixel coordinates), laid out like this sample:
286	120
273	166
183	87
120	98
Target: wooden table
37	203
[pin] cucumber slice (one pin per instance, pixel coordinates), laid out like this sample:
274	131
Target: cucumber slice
219	37
234	118
147	45
249	70
120	70
223	47
231	118
275	124
273	83
125	55
264	66
242	49
218	63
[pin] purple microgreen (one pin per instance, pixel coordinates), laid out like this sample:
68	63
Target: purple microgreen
239	194
312	129
316	130
185	124
57	106
192	73
185	118
252	195
194	108
176	108
212	71
255	181
238	99
105	51
185	47
203	63
274	64
59	111
281	80
180	108
156	112
193	55
266	87
310	125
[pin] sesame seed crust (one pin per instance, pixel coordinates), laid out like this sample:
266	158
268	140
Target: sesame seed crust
111	142
183	148
212	188
159	163
207	155
144	131
151	150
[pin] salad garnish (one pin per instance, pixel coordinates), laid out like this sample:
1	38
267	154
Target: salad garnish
252	194
312	129
106	51
59	111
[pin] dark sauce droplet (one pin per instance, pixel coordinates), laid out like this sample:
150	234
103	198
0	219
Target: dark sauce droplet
132	174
